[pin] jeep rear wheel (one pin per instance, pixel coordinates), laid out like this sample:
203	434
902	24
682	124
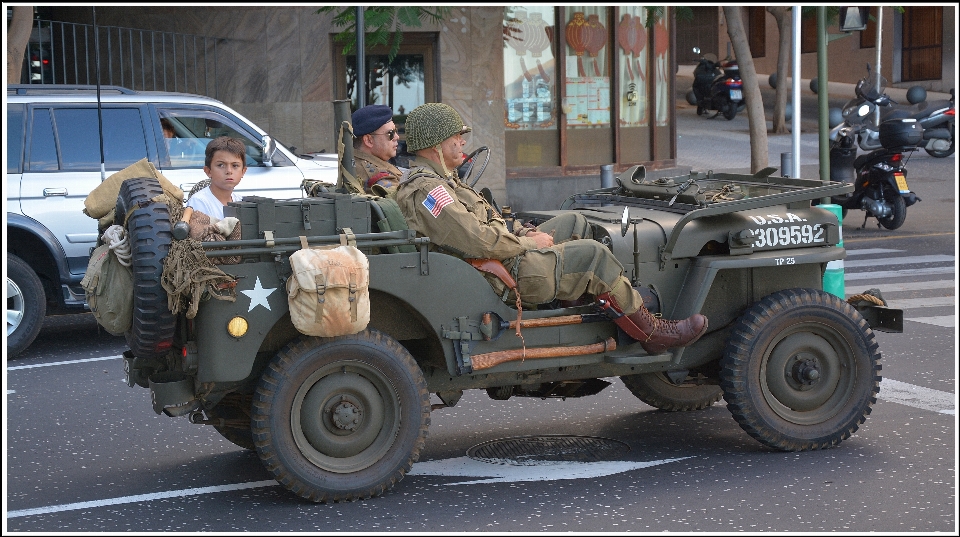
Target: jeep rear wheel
149	233
801	370
656	390
341	418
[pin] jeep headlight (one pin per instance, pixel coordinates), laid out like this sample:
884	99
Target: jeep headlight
237	327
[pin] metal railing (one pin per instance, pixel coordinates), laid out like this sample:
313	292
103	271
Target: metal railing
65	53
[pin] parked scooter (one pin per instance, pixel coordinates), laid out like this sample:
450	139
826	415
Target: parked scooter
717	86
879	177
936	117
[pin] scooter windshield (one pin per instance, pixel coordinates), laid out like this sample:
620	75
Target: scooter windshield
871	87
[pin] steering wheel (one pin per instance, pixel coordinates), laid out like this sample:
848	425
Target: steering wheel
464	170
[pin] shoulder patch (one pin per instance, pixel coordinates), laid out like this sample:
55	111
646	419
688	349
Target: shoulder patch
436	200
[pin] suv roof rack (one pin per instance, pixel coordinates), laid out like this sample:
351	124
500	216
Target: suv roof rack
49	89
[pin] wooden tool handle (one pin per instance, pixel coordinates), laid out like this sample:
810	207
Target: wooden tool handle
490	359
187	213
548	321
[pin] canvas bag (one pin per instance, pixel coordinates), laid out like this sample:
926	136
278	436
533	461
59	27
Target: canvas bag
328	292
109	288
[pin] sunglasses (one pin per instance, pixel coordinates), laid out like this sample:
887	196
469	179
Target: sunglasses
390	134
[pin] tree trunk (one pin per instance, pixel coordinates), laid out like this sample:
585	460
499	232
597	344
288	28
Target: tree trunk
784	18
18	35
751	89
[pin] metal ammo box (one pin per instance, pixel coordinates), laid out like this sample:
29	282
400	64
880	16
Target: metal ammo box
326	214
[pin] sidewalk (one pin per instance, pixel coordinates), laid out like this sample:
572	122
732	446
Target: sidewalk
721	145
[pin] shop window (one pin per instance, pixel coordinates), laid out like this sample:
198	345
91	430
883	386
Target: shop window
530	86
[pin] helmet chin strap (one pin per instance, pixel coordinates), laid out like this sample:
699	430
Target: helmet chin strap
443	164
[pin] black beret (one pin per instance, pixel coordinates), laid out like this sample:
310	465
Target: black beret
370	118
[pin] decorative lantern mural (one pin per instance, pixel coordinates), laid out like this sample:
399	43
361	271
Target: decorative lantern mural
596	40
639	42
535	32
626	33
577	34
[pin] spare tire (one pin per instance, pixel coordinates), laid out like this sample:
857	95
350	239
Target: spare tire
149	231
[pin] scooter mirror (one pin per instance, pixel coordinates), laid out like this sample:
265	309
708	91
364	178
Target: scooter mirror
696	50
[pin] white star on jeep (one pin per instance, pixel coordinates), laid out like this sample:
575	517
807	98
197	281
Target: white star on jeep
258	296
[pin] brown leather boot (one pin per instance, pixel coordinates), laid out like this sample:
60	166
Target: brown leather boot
655	334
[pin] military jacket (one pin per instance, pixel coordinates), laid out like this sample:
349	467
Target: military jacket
373	170
454	216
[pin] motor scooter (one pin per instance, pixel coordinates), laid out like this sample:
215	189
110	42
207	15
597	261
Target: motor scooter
879	177
936	117
716	86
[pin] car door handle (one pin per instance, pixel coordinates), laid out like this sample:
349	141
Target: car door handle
54	192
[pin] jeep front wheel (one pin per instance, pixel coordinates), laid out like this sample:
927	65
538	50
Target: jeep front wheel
341	418
656	390
801	370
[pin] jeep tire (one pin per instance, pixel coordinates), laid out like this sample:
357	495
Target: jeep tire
149	233
800	370
26	305
341	418
656	390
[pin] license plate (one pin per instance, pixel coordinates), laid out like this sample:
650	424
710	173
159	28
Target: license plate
736	95
901	182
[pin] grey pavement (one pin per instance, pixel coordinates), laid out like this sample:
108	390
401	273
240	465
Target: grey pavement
721	145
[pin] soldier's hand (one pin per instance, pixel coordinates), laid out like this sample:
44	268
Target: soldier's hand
543	240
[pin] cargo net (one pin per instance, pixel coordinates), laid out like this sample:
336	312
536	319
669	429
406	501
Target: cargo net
188	274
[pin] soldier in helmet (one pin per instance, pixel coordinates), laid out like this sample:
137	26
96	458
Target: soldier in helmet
552	262
374	144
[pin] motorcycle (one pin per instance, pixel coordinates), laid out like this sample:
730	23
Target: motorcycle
936	117
716	86
879	177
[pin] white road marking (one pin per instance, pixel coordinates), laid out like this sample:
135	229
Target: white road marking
906	260
869	251
888	274
917	396
11	392
69	362
946	321
508	471
929	302
911	286
139	498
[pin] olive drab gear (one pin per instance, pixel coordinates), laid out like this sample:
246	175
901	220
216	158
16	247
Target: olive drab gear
431	123
466	225
372	170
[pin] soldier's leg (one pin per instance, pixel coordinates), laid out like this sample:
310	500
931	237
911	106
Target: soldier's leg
567	226
586	266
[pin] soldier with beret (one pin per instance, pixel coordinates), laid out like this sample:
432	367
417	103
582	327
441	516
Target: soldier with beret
555	261
374	144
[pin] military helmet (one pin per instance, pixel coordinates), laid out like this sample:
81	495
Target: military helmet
431	123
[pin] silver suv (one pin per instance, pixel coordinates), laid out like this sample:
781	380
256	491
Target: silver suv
53	162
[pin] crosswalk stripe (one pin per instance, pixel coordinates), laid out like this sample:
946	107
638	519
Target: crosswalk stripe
917	396
907	260
945	321
910	286
928	302
886	274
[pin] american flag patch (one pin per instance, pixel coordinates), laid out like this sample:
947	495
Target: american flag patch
436	200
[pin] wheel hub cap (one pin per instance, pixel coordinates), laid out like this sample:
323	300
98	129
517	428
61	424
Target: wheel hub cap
346	415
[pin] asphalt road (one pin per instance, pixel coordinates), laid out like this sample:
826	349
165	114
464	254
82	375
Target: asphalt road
86	453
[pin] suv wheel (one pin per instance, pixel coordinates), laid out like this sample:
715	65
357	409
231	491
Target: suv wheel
26	305
656	390
341	418
801	370
149	232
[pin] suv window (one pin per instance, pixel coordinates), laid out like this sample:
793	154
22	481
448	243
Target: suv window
14	138
193	129
124	141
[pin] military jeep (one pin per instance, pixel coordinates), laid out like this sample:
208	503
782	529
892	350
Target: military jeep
345	417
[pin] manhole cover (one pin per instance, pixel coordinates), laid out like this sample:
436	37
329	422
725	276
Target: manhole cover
531	449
